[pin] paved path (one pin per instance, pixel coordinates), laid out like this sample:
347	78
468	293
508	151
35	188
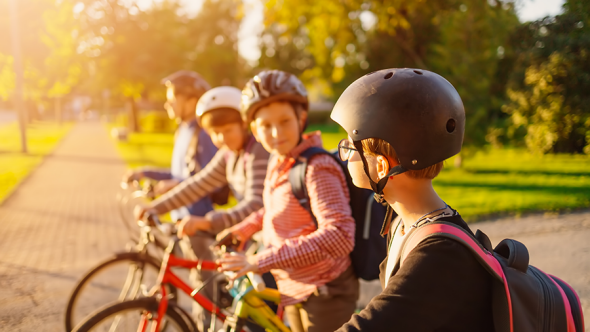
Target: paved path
57	224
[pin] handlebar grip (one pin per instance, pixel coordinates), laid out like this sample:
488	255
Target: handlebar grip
256	281
153	219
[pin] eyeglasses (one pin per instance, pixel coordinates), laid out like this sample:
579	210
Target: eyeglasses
345	149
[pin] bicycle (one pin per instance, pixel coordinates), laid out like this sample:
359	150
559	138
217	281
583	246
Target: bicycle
153	312
122	275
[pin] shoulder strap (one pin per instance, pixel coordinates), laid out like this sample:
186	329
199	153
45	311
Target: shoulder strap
456	233
297	177
453	232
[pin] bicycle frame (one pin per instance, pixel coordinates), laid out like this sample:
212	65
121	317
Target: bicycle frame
167	276
250	304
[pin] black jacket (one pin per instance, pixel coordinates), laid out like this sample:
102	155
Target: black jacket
440	287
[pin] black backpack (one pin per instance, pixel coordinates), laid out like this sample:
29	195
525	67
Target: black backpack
524	298
370	248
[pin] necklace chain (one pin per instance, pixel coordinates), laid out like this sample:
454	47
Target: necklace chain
424	217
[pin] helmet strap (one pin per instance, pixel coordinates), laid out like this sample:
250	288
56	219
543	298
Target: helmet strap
377	186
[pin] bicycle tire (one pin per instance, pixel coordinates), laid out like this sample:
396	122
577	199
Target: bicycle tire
149	304
136	257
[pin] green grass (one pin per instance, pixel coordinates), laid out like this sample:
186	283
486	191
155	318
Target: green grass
501	182
331	134
147	149
490	183
42	137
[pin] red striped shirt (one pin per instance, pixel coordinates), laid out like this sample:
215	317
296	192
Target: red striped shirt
300	255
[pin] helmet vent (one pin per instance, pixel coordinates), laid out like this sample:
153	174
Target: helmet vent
451	126
418	72
388	76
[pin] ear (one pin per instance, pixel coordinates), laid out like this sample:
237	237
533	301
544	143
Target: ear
382	166
302	119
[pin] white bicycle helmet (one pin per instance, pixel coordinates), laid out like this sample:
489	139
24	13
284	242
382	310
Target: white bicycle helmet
219	97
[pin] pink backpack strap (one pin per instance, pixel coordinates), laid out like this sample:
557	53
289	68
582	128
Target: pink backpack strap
451	231
571	326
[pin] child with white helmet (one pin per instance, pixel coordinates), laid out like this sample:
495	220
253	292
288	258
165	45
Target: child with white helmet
241	163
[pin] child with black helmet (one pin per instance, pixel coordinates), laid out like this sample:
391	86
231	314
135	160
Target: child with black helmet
402	124
309	261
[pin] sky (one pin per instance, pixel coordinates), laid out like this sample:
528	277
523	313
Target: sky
527	10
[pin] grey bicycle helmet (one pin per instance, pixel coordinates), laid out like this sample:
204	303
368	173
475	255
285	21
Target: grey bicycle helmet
187	82
270	86
418	112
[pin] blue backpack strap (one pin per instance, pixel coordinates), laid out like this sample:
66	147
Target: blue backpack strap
297	177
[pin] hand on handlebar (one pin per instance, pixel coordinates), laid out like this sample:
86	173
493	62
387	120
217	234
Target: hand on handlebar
141	210
131	176
228	239
189	225
238	263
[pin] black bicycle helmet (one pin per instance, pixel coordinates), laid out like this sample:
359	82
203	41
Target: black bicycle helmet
418	112
269	86
187	83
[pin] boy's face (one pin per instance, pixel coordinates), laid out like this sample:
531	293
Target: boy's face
357	172
179	106
277	127
230	135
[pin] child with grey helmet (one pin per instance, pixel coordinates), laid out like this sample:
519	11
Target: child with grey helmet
402	124
241	163
309	261
193	148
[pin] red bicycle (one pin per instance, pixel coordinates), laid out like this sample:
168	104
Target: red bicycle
156	312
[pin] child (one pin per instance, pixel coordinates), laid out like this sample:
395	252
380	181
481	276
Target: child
240	162
310	263
402	124
193	148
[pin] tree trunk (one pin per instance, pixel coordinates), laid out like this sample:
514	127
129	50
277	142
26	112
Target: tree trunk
133	115
58	110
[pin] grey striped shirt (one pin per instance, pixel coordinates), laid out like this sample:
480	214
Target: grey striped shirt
244	172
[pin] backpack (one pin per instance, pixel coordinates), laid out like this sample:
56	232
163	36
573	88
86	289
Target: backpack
370	247
525	299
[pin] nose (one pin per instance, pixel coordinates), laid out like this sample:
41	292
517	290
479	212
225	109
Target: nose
275	132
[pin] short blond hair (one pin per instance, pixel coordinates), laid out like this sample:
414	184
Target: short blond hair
377	146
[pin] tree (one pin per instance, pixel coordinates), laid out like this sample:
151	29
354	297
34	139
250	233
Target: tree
131	50
549	85
464	41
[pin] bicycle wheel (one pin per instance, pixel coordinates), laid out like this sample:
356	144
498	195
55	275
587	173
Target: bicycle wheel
116	279
133	315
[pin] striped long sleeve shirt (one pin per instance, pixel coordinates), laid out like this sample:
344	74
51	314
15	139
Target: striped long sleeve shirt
244	172
301	256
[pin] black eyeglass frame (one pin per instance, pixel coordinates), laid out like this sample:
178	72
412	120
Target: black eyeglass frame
344	156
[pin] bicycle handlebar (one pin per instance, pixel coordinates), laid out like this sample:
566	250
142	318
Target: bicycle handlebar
152	219
256	281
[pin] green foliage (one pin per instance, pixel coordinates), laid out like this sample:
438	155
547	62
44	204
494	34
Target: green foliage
14	165
550	81
48	45
130	50
330	44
